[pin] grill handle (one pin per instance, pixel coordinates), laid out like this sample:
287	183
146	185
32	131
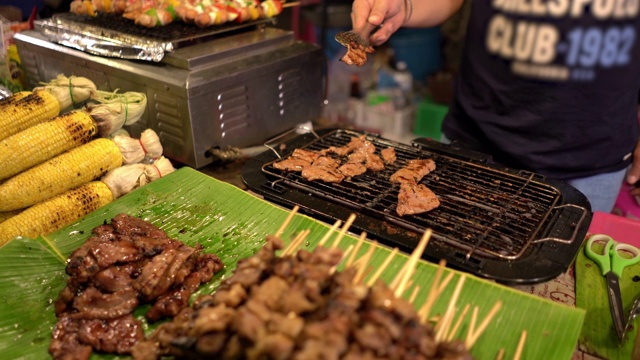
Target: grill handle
576	226
272	143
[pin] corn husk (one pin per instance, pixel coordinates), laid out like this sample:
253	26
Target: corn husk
69	91
116	109
151	144
134	150
125	179
130	148
119	132
161	167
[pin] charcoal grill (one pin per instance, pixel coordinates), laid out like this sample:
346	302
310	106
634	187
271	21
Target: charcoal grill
512	226
208	90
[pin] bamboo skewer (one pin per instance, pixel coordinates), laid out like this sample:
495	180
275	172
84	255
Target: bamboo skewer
360	272
500	355
413	261
442	327
434	287
287	221
456	327
344	256
352	257
326	236
523	338
414	294
473	335
295	243
343	231
382	268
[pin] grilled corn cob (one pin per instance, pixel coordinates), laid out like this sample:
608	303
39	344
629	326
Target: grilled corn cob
55	213
32	109
13	98
44	141
5	215
59	174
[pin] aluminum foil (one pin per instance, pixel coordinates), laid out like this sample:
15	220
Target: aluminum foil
114	36
103	42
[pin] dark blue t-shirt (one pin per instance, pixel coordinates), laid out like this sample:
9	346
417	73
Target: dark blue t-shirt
550	86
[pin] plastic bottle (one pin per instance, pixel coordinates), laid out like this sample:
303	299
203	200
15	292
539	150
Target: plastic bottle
404	81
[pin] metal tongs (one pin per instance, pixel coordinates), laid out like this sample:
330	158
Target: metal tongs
359	36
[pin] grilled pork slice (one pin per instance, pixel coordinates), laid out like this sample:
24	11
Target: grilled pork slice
415	199
291	164
324	173
388	155
414	171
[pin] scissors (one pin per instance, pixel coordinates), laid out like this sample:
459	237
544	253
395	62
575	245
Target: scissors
612	260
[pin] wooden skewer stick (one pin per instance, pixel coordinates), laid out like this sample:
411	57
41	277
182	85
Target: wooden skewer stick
442	329
472	325
423	312
344	255
291	4
413	261
483	325
295	243
414	294
372	280
352	257
343	231
328	234
523	338
366	258
500	355
287	221
456	327
396	280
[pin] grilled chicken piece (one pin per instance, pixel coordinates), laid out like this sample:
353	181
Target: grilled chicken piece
414	171
415	199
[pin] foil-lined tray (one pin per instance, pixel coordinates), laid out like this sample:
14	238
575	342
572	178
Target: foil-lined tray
114	36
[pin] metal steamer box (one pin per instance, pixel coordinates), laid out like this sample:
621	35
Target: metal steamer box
236	91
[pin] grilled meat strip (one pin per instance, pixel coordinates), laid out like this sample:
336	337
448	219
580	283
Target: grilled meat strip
123	264
415	199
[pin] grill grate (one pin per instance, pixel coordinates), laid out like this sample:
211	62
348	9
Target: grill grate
483	212
176	32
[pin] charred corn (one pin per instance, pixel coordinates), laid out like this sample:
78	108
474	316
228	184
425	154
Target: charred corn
13	98
55	213
44	141
30	110
59	174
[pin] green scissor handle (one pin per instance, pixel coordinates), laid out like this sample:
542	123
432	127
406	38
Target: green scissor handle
611	258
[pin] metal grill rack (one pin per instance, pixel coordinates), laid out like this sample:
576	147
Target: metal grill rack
487	214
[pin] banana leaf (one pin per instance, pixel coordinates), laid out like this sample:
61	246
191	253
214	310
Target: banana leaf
232	223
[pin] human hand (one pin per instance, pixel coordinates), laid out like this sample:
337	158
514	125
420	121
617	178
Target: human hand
633	175
390	13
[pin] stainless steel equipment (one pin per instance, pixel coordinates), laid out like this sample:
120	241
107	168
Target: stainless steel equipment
207	90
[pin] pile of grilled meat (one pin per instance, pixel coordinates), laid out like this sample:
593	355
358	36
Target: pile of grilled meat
337	163
126	263
297	307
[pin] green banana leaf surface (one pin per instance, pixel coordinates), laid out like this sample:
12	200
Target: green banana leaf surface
196	208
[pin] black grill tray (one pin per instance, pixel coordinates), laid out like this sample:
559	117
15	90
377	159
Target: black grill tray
507	245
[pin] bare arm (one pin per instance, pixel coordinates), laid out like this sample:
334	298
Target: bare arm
393	14
634	172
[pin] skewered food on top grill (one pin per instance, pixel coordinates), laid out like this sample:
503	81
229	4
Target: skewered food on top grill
203	13
125	263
